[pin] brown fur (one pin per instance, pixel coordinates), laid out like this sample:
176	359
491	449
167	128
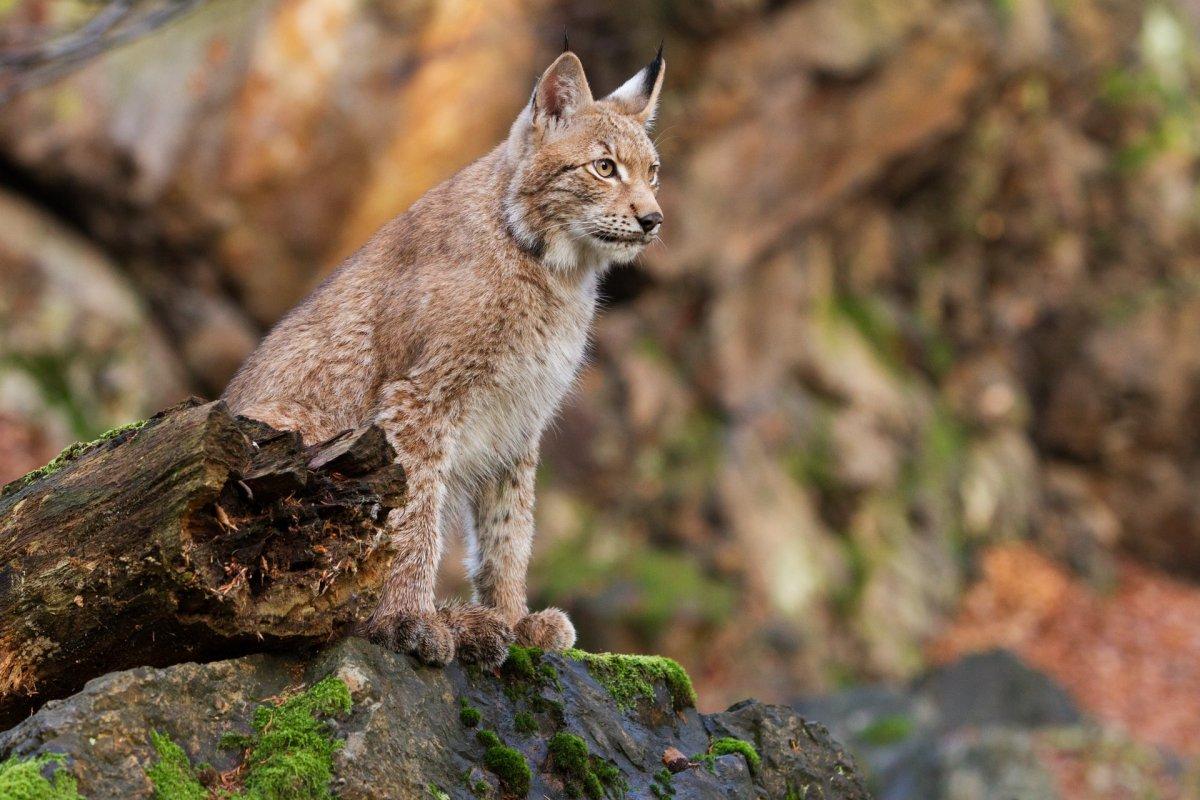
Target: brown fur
458	328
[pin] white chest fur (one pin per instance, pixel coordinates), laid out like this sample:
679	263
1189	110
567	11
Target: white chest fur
526	383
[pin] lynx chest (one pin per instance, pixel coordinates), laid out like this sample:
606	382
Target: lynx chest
527	370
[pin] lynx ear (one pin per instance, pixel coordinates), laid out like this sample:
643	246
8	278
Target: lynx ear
638	96
562	89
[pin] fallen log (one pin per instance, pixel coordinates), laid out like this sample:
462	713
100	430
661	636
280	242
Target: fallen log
193	536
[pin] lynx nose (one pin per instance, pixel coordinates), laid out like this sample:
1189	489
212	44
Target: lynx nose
650	221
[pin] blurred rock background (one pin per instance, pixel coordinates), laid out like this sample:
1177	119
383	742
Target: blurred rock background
929	287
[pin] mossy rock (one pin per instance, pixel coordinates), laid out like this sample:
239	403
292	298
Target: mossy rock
373	723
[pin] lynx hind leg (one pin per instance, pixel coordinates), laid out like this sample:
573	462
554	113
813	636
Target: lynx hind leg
313	425
480	635
549	629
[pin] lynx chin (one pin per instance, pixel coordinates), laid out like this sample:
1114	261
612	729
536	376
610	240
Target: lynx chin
458	328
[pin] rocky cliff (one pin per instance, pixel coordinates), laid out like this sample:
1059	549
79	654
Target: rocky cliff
360	722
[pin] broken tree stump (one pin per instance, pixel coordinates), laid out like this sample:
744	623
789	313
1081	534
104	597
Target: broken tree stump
195	536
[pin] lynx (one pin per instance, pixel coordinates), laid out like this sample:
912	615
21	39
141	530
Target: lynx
458	328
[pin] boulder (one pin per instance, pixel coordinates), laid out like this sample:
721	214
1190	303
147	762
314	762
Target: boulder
381	726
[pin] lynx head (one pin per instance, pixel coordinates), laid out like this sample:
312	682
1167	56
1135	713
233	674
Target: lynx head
585	171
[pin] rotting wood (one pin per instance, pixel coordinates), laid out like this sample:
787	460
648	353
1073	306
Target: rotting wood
196	536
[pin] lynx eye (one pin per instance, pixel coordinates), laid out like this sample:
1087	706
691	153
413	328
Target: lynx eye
654	174
605	167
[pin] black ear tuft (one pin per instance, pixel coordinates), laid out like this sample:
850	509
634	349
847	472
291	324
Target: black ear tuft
566	42
652	71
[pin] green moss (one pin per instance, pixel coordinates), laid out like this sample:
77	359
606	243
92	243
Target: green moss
662	787
727	745
520	662
172	775
630	678
525	723
24	779
525	673
437	793
69	454
290	754
891	729
548	675
581	772
570	754
506	763
510	768
488	738
468	715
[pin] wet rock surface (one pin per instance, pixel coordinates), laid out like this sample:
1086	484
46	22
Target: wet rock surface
407	735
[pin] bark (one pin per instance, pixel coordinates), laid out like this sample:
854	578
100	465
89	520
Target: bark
195	536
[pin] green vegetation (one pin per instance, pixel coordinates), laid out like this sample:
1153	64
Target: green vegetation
632	678
727	745
1157	92
525	723
506	763
23	779
891	729
172	775
525	673
582	773
520	663
812	462
69	454
436	793
876	320
662	787
663	584
476	786
52	372
468	715
288	757
290	753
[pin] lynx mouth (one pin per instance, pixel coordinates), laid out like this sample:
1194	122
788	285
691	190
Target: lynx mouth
613	239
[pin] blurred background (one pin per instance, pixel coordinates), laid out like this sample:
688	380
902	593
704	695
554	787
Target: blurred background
901	422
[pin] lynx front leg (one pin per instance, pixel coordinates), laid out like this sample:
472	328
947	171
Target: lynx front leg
407	618
500	558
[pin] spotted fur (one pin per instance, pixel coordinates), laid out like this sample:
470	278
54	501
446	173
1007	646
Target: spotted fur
458	328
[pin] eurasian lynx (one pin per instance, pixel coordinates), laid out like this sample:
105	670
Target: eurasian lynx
458	328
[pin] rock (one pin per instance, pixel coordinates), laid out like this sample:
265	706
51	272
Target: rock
79	352
996	688
407	734
964	730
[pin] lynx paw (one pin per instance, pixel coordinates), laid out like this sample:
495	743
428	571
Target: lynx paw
549	629
426	636
480	635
